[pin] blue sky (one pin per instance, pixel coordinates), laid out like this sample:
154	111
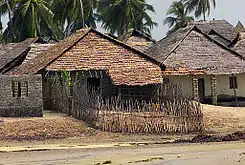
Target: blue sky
230	10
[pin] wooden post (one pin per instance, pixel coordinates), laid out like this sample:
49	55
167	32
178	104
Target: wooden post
213	90
234	89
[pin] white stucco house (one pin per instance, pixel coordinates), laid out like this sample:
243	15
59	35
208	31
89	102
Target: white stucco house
206	69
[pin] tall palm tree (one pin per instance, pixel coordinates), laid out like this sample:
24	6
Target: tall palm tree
178	16
31	18
118	16
200	7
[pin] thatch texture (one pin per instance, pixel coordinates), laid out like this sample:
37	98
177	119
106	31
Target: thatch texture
11	51
161	50
239	47
139	40
35	50
91	50
94	52
198	51
222	27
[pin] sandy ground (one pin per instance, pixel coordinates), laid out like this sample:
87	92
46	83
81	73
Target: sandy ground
219	119
185	154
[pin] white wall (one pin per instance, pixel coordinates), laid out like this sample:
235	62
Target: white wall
223	85
185	82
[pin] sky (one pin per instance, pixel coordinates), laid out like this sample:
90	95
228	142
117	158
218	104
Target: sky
230	10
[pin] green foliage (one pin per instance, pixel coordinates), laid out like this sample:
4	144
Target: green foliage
177	16
31	18
71	15
200	7
60	18
66	77
118	16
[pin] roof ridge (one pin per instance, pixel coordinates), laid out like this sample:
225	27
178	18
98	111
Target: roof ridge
66	49
208	37
219	44
128	46
44	63
177	45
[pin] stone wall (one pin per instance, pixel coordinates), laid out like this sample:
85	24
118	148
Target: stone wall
21	95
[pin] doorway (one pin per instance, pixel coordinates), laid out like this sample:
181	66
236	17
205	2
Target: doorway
201	89
93	85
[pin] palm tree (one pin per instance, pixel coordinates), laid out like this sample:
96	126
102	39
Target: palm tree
118	16
178	16
200	7
143	21
5	7
71	15
31	18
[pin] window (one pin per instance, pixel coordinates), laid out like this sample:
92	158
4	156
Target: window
19	89
233	82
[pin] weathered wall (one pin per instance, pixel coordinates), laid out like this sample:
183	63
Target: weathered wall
30	103
53	92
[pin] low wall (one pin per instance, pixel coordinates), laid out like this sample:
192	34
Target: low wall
21	95
149	123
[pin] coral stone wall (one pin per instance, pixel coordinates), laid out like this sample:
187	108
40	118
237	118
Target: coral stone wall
21	95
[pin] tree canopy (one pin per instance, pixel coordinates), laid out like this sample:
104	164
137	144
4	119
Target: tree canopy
200	7
60	18
177	16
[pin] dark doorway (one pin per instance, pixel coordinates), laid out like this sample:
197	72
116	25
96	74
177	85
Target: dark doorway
93	85
201	89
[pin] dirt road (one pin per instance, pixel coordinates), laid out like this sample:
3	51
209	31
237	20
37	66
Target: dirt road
181	154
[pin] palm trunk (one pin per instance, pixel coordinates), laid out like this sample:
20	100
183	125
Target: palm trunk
203	12
82	12
10	17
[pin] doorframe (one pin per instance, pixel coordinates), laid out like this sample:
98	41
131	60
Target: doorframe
201	98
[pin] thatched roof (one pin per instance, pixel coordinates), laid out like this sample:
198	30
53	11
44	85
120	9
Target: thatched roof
191	49
35	50
239	27
222	27
89	49
137	39
239	47
11	51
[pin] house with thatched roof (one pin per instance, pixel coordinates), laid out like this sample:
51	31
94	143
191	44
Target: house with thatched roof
20	95
206	69
101	62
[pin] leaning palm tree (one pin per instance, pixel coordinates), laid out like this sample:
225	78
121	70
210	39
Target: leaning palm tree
200	7
118	16
178	16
